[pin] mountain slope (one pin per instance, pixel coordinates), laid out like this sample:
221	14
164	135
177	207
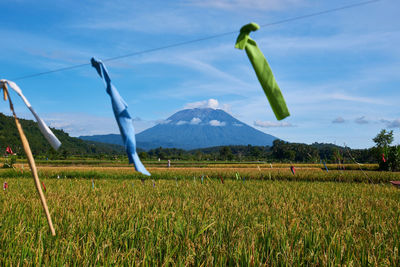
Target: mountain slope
195	128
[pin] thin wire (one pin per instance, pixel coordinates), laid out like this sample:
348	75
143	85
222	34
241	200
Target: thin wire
359	164
201	39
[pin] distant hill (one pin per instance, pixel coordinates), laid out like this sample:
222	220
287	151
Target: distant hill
194	128
70	145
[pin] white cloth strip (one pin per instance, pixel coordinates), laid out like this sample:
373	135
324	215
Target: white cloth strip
47	133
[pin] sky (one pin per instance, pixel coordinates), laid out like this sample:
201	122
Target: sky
339	72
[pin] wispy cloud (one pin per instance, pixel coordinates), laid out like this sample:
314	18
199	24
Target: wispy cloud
394	124
361	120
195	121
217	123
391	123
245	4
338	120
334	42
77	124
181	123
270	124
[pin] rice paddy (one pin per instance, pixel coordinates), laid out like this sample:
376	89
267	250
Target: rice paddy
201	216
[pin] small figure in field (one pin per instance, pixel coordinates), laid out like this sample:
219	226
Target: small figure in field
5	186
169	164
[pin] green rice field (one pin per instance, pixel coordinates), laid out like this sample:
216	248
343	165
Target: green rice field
271	217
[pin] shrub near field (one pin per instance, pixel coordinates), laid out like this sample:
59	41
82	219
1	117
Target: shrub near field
188	223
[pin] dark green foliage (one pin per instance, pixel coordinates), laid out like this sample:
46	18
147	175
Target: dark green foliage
383	150
9	162
281	151
393	158
383	138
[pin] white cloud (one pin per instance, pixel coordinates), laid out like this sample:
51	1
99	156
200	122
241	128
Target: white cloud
217	123
237	124
269	124
392	124
361	120
210	103
195	121
181	122
338	120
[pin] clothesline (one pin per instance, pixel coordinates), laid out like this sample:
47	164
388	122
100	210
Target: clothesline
323	12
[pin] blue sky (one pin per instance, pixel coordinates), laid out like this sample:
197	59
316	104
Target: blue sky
338	72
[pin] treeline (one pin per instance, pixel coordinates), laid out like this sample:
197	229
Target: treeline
280	151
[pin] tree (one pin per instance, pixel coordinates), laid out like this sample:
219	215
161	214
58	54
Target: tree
143	155
199	155
226	153
388	157
383	139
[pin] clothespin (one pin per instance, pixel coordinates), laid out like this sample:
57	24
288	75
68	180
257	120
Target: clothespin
5	90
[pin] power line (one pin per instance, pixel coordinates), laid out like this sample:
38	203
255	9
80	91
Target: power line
202	39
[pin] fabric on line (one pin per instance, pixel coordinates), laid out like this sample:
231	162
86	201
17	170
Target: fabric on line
122	117
263	71
44	129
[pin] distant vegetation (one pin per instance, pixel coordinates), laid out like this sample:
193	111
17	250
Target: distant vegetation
279	152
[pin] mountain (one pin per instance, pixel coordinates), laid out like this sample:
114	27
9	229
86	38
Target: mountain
70	145
195	128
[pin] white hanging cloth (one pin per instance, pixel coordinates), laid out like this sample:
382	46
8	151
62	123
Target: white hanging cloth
48	134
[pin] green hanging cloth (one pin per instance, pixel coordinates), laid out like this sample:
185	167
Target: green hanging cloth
263	71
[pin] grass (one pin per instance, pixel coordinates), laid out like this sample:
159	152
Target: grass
184	222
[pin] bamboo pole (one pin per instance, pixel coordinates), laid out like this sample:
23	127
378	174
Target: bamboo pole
31	161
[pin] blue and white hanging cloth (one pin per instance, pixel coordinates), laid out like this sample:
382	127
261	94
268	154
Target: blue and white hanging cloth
47	133
122	116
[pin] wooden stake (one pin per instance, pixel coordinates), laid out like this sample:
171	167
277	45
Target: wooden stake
31	162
